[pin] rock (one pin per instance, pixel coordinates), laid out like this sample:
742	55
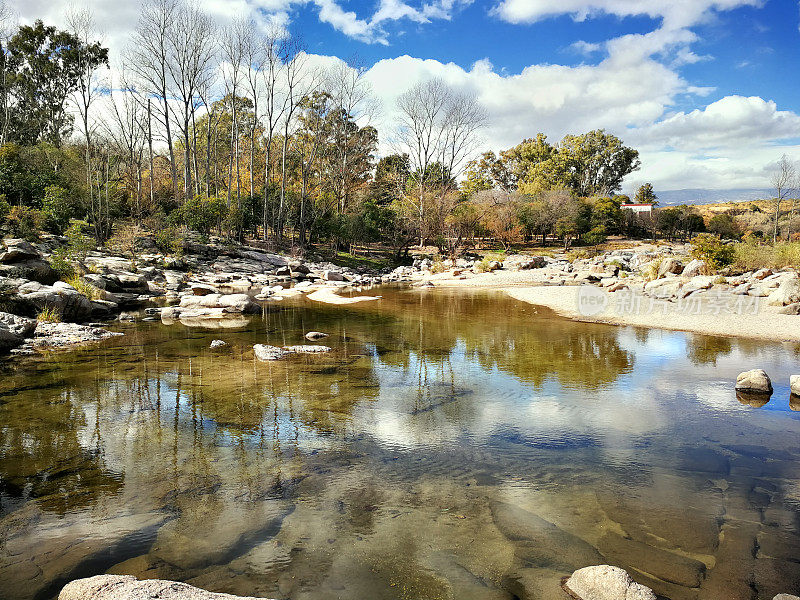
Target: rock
265	352
306	349
20	326
8	339
788	292
618	286
61	297
520	262
663	288
298	267
694	268
18	250
604	582
791	309
786	597
217	344
229	303
762	274
670	265
315	335
127	587
755	380
203	289
794	384
65	335
332	276
34	269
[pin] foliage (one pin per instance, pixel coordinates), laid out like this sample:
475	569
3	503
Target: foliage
58	208
595	236
84	287
5	208
61	263
201	213
651	269
751	255
25	222
126	241
646	195
725	226
711	249
171	240
78	242
483	265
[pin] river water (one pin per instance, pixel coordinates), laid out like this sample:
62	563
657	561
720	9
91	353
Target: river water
454	445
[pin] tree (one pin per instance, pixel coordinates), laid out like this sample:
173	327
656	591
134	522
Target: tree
597	162
725	226
782	180
45	66
646	195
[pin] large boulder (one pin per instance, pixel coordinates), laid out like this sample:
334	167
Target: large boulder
230	303
20	326
70	304
127	587
663	288
332	276
794	384
17	250
754	381
266	352
604	582
670	265
694	268
788	292
520	262
33	269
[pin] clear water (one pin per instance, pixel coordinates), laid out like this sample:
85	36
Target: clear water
454	445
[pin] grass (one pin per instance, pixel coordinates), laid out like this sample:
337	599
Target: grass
85	288
483	265
438	267
650	270
751	257
49	314
353	261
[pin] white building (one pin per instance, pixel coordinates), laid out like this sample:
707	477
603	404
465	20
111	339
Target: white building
638	208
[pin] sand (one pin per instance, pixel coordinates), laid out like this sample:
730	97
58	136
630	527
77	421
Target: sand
766	324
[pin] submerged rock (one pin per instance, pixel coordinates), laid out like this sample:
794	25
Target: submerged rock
307	349
604	582
265	352
755	380
127	587
217	344
315	335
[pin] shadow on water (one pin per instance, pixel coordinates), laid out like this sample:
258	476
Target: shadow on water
452	445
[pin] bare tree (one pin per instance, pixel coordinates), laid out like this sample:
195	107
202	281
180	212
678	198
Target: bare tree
150	55
782	181
7	19
255	60
90	87
274	102
190	48
234	44
437	129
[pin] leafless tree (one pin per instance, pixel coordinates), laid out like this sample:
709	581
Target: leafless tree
150	55
274	51
190	48
234	45
437	125
7	19
352	100
782	180
254	62
89	89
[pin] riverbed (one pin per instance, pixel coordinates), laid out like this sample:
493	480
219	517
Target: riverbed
454	444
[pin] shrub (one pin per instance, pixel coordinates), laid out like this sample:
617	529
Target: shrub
85	288
125	241
60	261
78	242
725	226
49	314
58	208
25	222
483	265
651	269
711	249
438	267
5	208
200	213
171	240
751	256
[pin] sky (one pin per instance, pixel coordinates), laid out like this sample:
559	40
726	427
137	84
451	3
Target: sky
706	90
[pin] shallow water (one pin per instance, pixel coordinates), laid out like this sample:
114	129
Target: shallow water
454	445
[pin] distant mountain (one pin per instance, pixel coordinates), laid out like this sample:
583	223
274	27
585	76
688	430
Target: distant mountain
701	196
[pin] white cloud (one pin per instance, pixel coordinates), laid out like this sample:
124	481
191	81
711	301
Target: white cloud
675	13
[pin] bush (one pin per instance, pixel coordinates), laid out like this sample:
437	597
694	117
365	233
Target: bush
58	209
438	267
85	288
171	240
200	213
49	314
725	226
751	256
484	265
24	222
595	236
60	261
5	208
711	249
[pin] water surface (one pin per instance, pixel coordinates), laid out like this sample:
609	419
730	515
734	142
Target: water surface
453	445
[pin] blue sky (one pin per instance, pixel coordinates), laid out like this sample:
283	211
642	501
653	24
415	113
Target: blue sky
705	89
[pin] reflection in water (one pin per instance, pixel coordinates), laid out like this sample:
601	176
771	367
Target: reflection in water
453	445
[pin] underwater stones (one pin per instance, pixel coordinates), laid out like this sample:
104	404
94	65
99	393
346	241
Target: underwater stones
306	349
217	344
542	543
704	460
266	352
127	587
315	335
670	567
604	582
755	380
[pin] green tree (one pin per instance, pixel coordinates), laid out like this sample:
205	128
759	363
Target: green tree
646	195
45	65
597	162
59	207
725	226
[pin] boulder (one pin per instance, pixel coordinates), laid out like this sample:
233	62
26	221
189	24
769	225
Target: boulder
604	582
794	384
8	339
663	288
265	352
230	303
297	267
694	268
315	335
762	274
520	262
332	276
790	309
127	587
17	325
63	298
755	380
788	292
203	289
34	269
65	335
217	344
17	250
670	265
786	597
